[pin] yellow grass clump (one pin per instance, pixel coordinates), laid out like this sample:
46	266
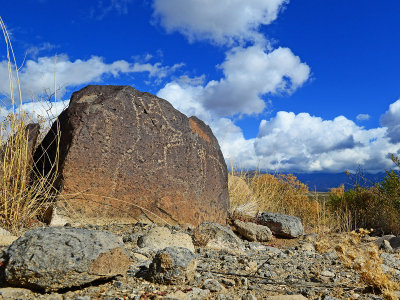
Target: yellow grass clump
23	193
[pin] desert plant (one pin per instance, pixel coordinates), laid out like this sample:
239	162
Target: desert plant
285	194
375	207
23	194
362	257
255	192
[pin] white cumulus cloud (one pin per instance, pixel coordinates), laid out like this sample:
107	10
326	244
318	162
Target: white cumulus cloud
249	74
307	143
391	120
37	76
222	21
363	117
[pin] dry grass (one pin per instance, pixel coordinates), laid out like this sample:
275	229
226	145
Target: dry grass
362	257
23	194
276	193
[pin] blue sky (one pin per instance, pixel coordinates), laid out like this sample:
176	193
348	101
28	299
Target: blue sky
304	85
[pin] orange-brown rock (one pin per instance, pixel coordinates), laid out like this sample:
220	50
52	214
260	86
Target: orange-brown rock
124	153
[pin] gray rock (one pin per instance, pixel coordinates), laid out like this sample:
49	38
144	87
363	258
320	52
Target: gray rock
159	238
249	297
215	236
172	265
379	240
282	225
395	242
213	285
58	257
253	232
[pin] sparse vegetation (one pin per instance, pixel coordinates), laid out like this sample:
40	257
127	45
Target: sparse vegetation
375	207
23	194
363	257
274	193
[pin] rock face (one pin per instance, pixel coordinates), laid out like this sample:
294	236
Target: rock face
282	225
124	153
32	132
56	258
173	265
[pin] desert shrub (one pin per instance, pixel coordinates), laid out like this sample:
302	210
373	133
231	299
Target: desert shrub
376	207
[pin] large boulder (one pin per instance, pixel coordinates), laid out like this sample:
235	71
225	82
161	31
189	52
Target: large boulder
125	153
56	258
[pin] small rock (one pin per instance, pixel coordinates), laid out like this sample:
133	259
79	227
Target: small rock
140	257
159	238
228	282
282	225
327	273
215	236
172	265
395	242
57	257
249	297
198	294
213	285
308	247
385	245
257	246
286	297
253	232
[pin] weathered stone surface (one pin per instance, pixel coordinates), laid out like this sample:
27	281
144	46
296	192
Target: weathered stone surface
57	257
173	265
130	153
215	236
282	225
161	237
253	232
32	131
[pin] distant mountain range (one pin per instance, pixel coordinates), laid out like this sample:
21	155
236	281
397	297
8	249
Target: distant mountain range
323	182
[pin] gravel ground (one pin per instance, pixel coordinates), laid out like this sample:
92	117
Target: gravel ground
280	267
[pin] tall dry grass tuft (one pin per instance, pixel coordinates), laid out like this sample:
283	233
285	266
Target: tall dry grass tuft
23	193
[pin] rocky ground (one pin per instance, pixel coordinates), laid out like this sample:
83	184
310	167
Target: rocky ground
224	267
